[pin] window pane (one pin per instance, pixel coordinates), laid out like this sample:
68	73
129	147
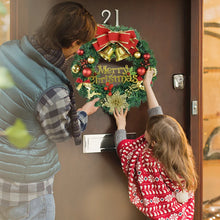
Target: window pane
4	21
211	109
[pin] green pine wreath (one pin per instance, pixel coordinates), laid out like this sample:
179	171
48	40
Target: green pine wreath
113	44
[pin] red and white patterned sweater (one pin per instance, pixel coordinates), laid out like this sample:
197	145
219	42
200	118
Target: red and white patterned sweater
150	189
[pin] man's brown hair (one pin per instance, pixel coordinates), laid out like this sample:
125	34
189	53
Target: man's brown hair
65	23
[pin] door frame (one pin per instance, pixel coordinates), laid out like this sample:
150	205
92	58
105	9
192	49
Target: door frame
196	121
196	67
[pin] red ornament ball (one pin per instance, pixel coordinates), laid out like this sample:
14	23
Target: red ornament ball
141	71
146	56
87	72
80	52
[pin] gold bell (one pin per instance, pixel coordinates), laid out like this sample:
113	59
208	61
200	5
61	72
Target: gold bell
75	68
107	53
121	54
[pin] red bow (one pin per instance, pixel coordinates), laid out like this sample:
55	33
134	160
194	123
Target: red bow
105	36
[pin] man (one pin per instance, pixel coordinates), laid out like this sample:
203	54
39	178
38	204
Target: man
43	99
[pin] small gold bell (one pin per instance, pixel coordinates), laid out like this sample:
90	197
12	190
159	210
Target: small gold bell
75	68
107	53
121	54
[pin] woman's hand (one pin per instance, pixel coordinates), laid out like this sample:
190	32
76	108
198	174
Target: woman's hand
120	118
148	77
151	98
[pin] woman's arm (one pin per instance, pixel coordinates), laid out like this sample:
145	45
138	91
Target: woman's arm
153	105
151	98
120	118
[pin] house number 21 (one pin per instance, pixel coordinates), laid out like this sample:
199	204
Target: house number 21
108	13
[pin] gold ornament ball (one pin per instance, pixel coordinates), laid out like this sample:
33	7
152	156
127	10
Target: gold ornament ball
137	55
91	60
75	68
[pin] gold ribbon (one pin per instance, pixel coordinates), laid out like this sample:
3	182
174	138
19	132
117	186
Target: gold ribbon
83	84
89	88
137	86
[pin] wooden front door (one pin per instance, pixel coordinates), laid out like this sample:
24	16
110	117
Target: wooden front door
92	186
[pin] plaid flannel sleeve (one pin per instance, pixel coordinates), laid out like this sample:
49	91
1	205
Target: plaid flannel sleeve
52	113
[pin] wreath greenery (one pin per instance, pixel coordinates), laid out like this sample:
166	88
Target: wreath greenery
113	44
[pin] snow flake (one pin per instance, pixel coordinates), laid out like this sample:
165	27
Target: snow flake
136	200
146	202
168	198
156	200
174	217
150	178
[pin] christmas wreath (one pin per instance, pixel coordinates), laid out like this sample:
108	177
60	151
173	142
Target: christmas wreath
112	67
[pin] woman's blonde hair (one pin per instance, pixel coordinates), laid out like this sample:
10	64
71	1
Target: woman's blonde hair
172	149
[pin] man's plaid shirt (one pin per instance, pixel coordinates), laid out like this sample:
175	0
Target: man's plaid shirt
52	113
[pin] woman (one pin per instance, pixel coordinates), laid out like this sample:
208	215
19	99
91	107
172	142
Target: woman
159	164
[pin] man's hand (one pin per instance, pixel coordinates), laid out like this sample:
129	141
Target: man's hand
90	107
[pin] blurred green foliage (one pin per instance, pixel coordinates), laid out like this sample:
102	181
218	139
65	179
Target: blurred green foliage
17	134
3	9
6	80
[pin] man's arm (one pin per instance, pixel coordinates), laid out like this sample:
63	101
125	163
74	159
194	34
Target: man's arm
52	113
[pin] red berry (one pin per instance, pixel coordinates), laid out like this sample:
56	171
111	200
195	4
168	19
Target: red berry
111	86
110	94
128	73
80	52
105	88
107	84
146	56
